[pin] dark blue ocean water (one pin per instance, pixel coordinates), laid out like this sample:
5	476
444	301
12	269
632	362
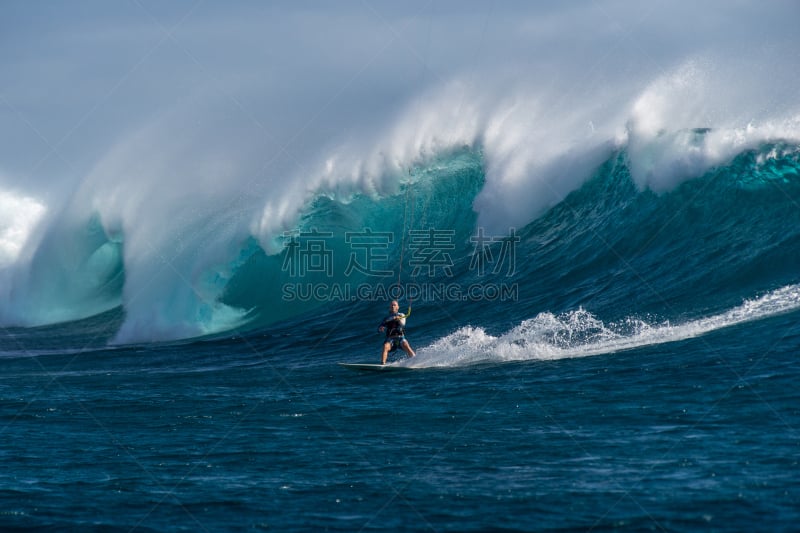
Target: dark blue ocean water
642	375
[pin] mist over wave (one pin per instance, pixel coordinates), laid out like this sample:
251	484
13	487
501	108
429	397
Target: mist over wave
170	191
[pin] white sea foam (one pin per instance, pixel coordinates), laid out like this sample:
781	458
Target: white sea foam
20	223
19	216
580	334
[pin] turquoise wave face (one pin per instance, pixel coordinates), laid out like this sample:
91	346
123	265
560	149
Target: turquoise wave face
702	247
608	247
77	272
365	249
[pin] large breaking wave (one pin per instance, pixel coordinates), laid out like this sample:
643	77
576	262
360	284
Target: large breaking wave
669	191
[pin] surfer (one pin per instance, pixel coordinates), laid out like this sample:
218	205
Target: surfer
394	325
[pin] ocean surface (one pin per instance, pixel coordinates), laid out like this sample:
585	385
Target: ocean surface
625	361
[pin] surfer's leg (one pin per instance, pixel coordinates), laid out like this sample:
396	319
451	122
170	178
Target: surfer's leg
407	348
386	346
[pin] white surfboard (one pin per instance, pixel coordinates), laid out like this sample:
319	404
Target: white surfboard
375	367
